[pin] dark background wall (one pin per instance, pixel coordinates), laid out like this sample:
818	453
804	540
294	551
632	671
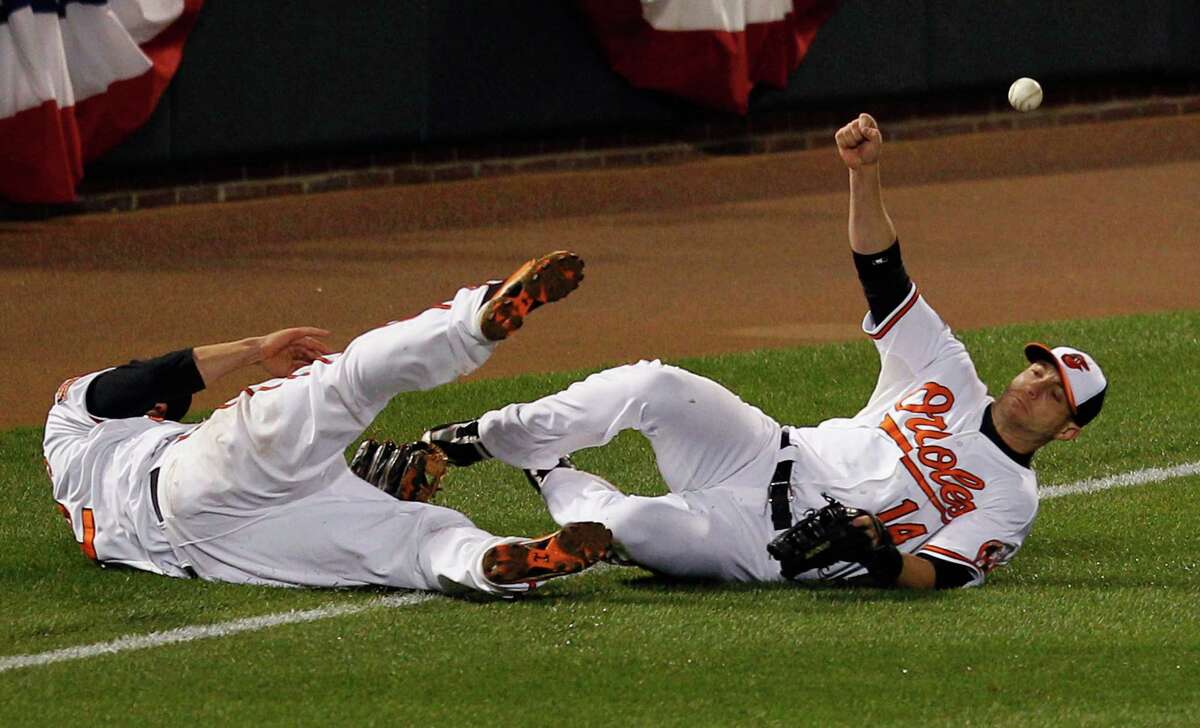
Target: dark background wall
263	79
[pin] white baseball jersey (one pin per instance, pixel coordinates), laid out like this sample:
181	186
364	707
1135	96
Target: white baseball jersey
114	523
915	456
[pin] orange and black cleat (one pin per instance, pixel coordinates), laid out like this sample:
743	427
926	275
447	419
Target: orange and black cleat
540	281
568	551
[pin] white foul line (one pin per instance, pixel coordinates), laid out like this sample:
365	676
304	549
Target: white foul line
251	624
1137	477
200	632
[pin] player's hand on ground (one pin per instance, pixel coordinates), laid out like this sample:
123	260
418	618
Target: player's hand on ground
286	350
859	142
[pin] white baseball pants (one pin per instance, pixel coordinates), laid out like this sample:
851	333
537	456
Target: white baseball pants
261	492
715	452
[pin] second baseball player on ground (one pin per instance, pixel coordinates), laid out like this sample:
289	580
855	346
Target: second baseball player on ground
944	468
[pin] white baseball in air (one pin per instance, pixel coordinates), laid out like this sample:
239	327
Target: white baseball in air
1025	94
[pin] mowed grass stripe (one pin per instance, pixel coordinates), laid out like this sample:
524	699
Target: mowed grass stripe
252	624
207	631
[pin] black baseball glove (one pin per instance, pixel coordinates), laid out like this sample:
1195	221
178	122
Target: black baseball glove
826	536
409	472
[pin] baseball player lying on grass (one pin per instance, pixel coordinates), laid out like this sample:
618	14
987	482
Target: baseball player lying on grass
929	485
260	492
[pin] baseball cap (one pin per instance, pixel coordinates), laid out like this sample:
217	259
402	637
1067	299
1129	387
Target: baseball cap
1081	376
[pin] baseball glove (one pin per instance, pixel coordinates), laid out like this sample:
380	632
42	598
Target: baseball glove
409	472
826	536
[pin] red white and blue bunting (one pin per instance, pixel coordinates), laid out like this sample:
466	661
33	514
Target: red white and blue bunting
711	52
76	77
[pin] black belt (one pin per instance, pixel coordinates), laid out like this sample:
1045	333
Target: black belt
158	514
780	492
154	494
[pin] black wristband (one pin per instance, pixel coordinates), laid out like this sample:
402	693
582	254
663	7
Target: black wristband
885	282
948	575
879	266
884	565
132	389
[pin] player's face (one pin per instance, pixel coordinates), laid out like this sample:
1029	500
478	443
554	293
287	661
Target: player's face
1036	402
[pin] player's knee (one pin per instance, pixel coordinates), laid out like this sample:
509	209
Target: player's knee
431	518
651	380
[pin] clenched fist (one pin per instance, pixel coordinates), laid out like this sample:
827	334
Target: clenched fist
859	142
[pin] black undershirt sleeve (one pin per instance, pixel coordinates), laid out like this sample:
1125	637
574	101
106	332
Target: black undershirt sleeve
132	390
948	575
884	280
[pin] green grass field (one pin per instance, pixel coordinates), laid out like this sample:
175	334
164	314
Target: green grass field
1095	622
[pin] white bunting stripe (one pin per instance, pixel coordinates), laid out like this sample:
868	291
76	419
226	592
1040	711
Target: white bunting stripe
729	17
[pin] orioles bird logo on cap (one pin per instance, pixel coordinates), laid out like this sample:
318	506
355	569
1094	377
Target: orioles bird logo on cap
1076	361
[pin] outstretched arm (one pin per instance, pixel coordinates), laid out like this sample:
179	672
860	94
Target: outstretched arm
279	353
872	236
164	385
859	144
